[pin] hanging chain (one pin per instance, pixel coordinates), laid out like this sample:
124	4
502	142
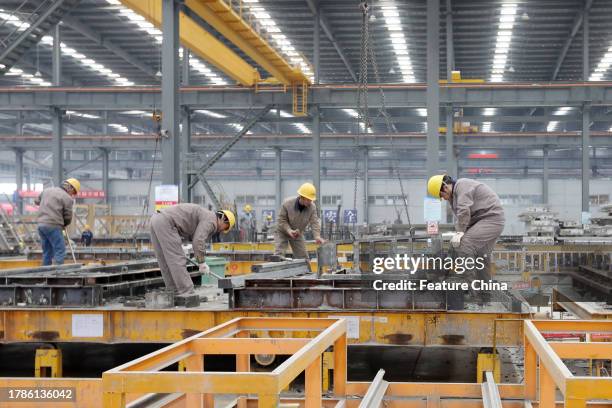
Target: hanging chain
362	95
363	119
383	105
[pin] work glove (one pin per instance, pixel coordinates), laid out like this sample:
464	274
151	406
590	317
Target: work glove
456	239
320	241
294	233
204	269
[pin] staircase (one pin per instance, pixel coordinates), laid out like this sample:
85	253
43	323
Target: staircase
33	26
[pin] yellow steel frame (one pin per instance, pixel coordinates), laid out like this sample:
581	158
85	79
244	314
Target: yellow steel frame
132	325
542	379
143	375
50	359
200	42
220	15
197	387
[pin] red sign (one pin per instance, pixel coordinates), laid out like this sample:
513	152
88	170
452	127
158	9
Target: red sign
91	194
28	193
483	156
521	285
82	194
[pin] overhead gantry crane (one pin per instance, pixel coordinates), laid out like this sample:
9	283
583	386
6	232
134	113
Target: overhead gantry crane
230	23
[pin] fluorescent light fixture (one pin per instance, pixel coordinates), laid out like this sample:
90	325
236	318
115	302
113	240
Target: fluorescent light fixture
489	111
263	17
502	44
351	112
398	40
211	113
552	126
119	127
390	13
421	111
302	128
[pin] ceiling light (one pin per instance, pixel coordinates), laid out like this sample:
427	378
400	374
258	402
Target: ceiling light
351	112
211	113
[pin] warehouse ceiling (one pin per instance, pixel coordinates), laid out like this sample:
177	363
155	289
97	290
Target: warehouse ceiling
537	32
105	44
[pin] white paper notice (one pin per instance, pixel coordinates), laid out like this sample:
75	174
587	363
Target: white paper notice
87	325
352	325
432	209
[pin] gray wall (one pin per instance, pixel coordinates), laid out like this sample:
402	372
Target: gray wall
516	195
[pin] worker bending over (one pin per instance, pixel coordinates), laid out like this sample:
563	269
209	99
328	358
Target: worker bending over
184	221
55	214
479	217
295	214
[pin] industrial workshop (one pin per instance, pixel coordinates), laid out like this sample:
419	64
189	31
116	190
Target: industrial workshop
306	203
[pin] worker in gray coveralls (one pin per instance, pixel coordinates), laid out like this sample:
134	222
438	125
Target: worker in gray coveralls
170	226
480	217
294	216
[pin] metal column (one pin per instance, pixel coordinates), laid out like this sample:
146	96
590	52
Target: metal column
19	127
105	175
433	86
586	162
57	56
545	175
19	179
57	147
170	93
186	193
366	181
185	150
451	160
316	125
586	117
186	71
278	177
106	122
585	45
450	49
316	151
316	32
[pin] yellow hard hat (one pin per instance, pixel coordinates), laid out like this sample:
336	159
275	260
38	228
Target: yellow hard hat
76	184
231	218
87	227
268	217
307	190
248	208
434	185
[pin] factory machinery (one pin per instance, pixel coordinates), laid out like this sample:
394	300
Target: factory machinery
293	333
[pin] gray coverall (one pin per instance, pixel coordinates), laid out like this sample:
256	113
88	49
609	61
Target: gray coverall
481	217
291	218
168	228
54	214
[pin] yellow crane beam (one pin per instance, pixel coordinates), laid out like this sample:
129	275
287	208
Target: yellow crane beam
200	42
232	26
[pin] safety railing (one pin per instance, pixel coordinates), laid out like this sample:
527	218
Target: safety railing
197	386
545	371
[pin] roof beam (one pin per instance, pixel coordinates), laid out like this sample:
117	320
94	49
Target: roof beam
79	27
568	42
330	36
200	42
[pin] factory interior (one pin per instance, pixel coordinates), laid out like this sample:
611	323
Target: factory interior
306	203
